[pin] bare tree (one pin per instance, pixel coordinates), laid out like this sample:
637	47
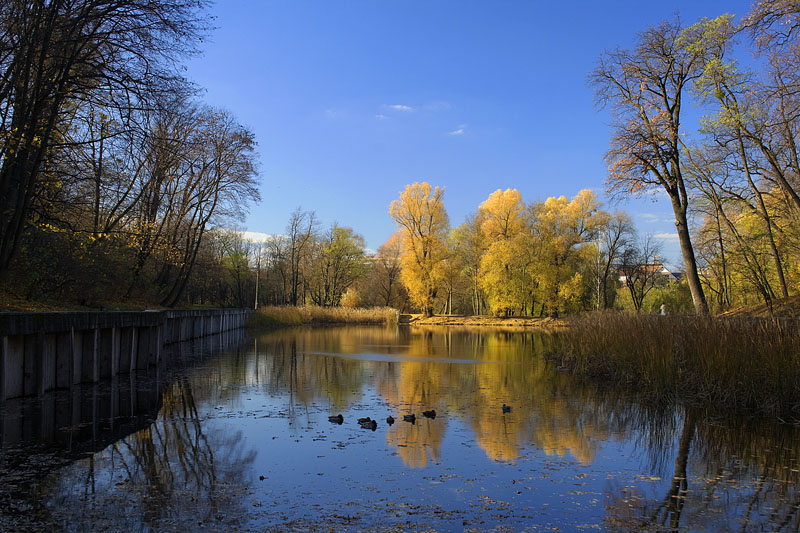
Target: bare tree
718	185
616	237
646	87
299	232
640	269
57	55
219	181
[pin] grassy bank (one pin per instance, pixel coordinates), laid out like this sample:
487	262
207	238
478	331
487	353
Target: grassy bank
741	363
270	317
521	323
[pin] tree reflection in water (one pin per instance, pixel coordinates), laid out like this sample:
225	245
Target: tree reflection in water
628	464
467	375
170	474
708	468
729	474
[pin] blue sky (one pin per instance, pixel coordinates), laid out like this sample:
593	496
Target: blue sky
352	100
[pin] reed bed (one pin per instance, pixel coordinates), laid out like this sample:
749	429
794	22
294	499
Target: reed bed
744	363
275	316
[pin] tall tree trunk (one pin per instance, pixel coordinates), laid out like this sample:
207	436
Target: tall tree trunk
689	261
676	497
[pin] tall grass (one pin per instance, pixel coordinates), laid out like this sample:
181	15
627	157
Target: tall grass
744	363
297	316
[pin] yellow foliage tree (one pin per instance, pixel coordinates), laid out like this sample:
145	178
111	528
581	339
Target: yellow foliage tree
424	226
504	273
503	214
562	228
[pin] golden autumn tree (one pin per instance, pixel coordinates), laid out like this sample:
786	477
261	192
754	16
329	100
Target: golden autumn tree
424	227
504	273
562	232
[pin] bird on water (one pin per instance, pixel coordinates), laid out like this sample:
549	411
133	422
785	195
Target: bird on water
369	424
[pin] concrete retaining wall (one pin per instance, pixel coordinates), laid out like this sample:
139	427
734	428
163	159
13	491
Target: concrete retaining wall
89	417
46	351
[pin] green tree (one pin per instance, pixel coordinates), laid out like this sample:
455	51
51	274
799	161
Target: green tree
338	263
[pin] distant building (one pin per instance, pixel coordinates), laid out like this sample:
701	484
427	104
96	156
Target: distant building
658	271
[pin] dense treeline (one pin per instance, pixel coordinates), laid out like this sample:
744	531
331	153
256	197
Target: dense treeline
306	265
111	172
509	258
512	258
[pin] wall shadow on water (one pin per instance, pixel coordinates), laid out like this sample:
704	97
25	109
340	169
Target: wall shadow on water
57	449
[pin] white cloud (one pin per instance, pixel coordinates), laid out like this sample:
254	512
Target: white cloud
459	131
254	236
380	116
671	237
649	217
333	114
399	107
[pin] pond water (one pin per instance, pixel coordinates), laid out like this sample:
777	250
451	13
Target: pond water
241	440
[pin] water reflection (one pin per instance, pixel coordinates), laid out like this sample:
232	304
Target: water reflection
707	468
136	437
727	474
242	441
173	472
466	375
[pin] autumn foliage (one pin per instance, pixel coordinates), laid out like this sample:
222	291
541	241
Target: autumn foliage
424	225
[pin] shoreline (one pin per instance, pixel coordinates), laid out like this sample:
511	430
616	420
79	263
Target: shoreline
484	321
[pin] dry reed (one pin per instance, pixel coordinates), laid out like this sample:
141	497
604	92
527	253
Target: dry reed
275	316
744	363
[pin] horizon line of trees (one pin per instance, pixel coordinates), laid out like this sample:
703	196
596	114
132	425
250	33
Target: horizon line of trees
512	258
509	259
